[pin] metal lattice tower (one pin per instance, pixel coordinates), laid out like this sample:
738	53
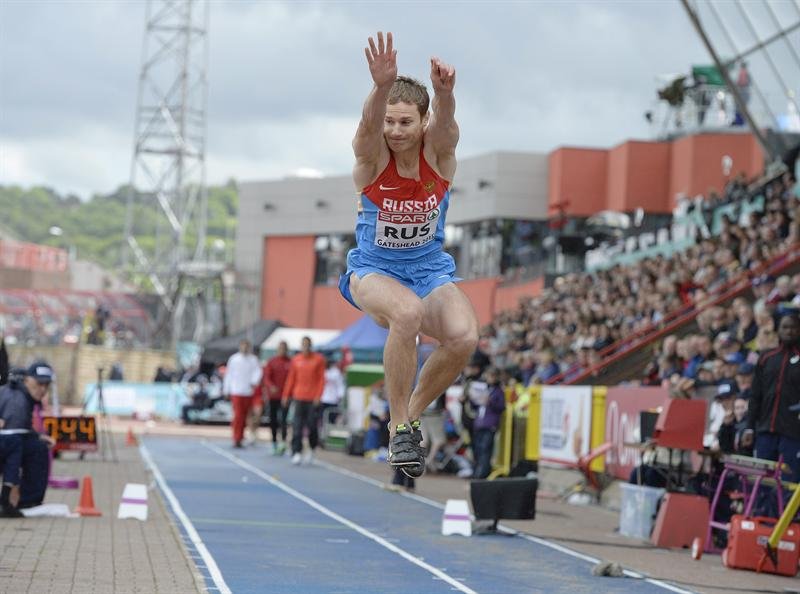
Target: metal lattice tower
167	193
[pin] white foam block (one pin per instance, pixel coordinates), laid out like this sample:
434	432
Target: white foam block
134	502
456	518
58	510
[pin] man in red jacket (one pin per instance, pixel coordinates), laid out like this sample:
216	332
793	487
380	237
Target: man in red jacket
304	386
273	380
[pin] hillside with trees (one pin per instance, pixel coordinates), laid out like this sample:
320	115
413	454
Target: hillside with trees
94	229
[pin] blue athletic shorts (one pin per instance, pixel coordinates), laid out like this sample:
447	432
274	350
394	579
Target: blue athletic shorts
421	276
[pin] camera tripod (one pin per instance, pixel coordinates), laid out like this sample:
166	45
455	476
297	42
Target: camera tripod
105	441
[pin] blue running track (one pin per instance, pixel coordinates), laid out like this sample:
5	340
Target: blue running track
272	527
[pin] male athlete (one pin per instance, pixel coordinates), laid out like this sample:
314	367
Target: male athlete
398	273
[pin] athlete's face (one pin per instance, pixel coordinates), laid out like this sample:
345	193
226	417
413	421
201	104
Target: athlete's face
403	127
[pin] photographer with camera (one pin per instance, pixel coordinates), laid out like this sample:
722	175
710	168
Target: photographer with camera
23	450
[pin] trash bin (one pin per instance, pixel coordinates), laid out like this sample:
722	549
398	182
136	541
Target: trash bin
638	510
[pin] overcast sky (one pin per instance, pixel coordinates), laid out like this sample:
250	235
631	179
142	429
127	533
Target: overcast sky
287	79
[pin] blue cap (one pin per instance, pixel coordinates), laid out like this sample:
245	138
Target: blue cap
746	369
736	358
41	372
727	389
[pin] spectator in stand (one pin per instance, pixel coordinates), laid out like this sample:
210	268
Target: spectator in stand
762	288
703	352
744	379
304	386
719	321
782	293
489	407
273	380
242	375
796	290
546	369
730	366
722	403
733	427
766	340
481	356
773	427
668	362
744	326
471	375
527	368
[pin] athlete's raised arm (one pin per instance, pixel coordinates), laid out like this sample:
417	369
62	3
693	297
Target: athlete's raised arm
442	132
369	144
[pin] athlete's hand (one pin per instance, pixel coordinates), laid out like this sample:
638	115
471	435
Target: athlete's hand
382	60
443	76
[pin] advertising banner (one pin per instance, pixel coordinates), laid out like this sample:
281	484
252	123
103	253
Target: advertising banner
565	423
623	405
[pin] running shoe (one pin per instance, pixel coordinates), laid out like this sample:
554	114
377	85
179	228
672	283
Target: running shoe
404	453
416	472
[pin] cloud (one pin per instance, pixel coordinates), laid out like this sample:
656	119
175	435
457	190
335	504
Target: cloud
287	79
89	159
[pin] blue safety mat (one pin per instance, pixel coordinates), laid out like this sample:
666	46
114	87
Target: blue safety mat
264	539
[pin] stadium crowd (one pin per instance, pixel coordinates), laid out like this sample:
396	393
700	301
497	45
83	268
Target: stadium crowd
572	325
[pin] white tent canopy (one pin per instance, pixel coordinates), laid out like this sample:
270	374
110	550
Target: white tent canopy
294	336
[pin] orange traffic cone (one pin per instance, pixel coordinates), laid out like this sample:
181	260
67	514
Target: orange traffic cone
131	440
86	506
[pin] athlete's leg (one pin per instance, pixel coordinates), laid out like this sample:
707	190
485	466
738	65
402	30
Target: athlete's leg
450	319
254	416
393	306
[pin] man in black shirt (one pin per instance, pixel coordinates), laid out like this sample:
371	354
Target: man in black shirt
773	427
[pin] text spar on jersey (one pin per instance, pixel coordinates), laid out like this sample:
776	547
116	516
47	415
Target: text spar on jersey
403	224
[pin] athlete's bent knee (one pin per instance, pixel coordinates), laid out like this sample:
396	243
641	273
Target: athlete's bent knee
407	317
464	344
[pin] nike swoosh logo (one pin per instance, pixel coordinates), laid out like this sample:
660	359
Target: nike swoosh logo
382	187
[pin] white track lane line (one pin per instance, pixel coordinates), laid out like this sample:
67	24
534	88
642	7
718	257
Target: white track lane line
551	545
194	537
342	520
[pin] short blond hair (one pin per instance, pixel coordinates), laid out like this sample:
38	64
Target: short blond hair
409	90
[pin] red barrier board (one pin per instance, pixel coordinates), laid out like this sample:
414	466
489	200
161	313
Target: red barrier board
623	405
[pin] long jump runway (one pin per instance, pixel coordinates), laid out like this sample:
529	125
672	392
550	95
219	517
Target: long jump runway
255	523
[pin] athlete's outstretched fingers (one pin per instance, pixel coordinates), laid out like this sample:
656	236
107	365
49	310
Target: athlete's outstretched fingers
381	47
388	42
